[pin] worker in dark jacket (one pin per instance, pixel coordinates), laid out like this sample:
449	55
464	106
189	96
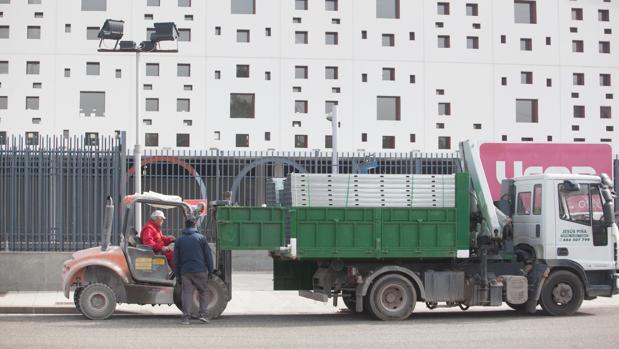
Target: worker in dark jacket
192	263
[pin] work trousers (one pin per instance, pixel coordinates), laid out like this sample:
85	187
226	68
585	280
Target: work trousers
191	281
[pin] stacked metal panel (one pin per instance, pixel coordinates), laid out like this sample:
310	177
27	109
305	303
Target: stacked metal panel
369	190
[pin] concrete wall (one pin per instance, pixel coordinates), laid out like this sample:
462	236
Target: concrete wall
41	271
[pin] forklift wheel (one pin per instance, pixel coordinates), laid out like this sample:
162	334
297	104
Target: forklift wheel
217	297
97	301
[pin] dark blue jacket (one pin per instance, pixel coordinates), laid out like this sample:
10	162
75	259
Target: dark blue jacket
192	253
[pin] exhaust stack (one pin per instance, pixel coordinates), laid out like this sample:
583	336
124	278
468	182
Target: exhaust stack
106	229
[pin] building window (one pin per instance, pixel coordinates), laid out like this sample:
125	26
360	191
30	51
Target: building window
243	7
151	139
444	108
526	110
4	32
300	4
242	105
217	30
577	46
183	105
187	122
526	77
183	69
387	8
92	103
364	77
579	111
118	73
389	74
329	106
440	125
412	138
33	32
444	142
364	137
526	44
242	71
411	79
331	38
92	33
364	34
578	79
152	69
182	140
603	16
577	14
300	141
184	3
331	73
604	79
154	3
267	31
604	46
33	68
4	67
472	42
605	112
388	142
242	35
3	139
267	136
267	75
242	140
152	104
147	87
331	5
92	68
184	34
472	9
300	72
328	142
388	108
296	19
388	40
32	103
91	139
217	135
442	8
67	72
444	41
300	37
525	12
32	138
94	5
4	102
300	107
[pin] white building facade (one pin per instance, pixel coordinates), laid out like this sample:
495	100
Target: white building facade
407	75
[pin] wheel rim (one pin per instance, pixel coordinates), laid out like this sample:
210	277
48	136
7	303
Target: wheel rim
393	297
98	301
562	293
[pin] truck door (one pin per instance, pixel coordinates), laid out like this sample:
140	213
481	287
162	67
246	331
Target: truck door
581	231
528	222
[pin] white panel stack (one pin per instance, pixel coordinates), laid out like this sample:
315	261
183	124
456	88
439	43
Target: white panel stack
370	190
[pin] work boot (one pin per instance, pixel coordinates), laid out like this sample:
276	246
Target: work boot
185	321
204	319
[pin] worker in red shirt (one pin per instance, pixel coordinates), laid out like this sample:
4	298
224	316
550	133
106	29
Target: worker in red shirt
152	236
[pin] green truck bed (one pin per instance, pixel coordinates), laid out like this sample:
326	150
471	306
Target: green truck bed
338	232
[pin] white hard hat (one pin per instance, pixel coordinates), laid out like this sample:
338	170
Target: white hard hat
157	213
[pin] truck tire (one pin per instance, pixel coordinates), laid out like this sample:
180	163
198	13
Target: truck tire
76	298
562	294
350	301
97	301
217	297
392	297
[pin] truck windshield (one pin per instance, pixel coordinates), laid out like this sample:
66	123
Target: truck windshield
580	206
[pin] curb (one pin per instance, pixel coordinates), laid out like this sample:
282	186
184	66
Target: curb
49	311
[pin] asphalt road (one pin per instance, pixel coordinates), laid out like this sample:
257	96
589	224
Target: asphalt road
595	326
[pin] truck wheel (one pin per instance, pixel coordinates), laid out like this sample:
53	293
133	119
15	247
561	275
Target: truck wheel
392	297
562	294
76	298
217	297
97	301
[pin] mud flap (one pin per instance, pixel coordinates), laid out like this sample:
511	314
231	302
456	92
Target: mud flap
536	281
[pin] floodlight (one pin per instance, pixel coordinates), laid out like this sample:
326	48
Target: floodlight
112	29
165	31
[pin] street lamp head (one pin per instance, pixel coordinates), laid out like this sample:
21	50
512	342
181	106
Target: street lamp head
111	29
165	31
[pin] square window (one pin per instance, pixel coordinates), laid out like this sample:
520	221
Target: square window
189	17
442	8
33	67
440	92
91	139
184	3
388	108
183	105
411	79
296	19
411	36
148	87
300	37
387	8
151	139
526	110
188	87
182	140
300	107
412	138
472	42
388	142
183	69
504	138
267	75
610	128
187	122
388	39
526	77
92	33
242	140
184	34
525	12
549	82
335	21
577	46
242	105
335	90
300	4
331	38
4	32
33	32
4	102
67	72
267	31
578	79
605	112
92	103
476	26
504	81
118	73
300	141
242	70
548	40
603	15
440	125
153	3
94	5
579	111
331	73
296	88
328	142
243	7
444	41
242	35
217	30
331	5
364	137
148	16
389	74
151	104
604	79
37	85
364	34
575	127
573	30
364	77
300	72
3	138
217	74
444	142
217	135
152	69
608	31
577	14
267	136
526	44
32	138
472	9
4	67
604	46
329	106
92	68
503	39
444	108
477	126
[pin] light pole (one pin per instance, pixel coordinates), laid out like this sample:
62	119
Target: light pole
113	30
332	116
